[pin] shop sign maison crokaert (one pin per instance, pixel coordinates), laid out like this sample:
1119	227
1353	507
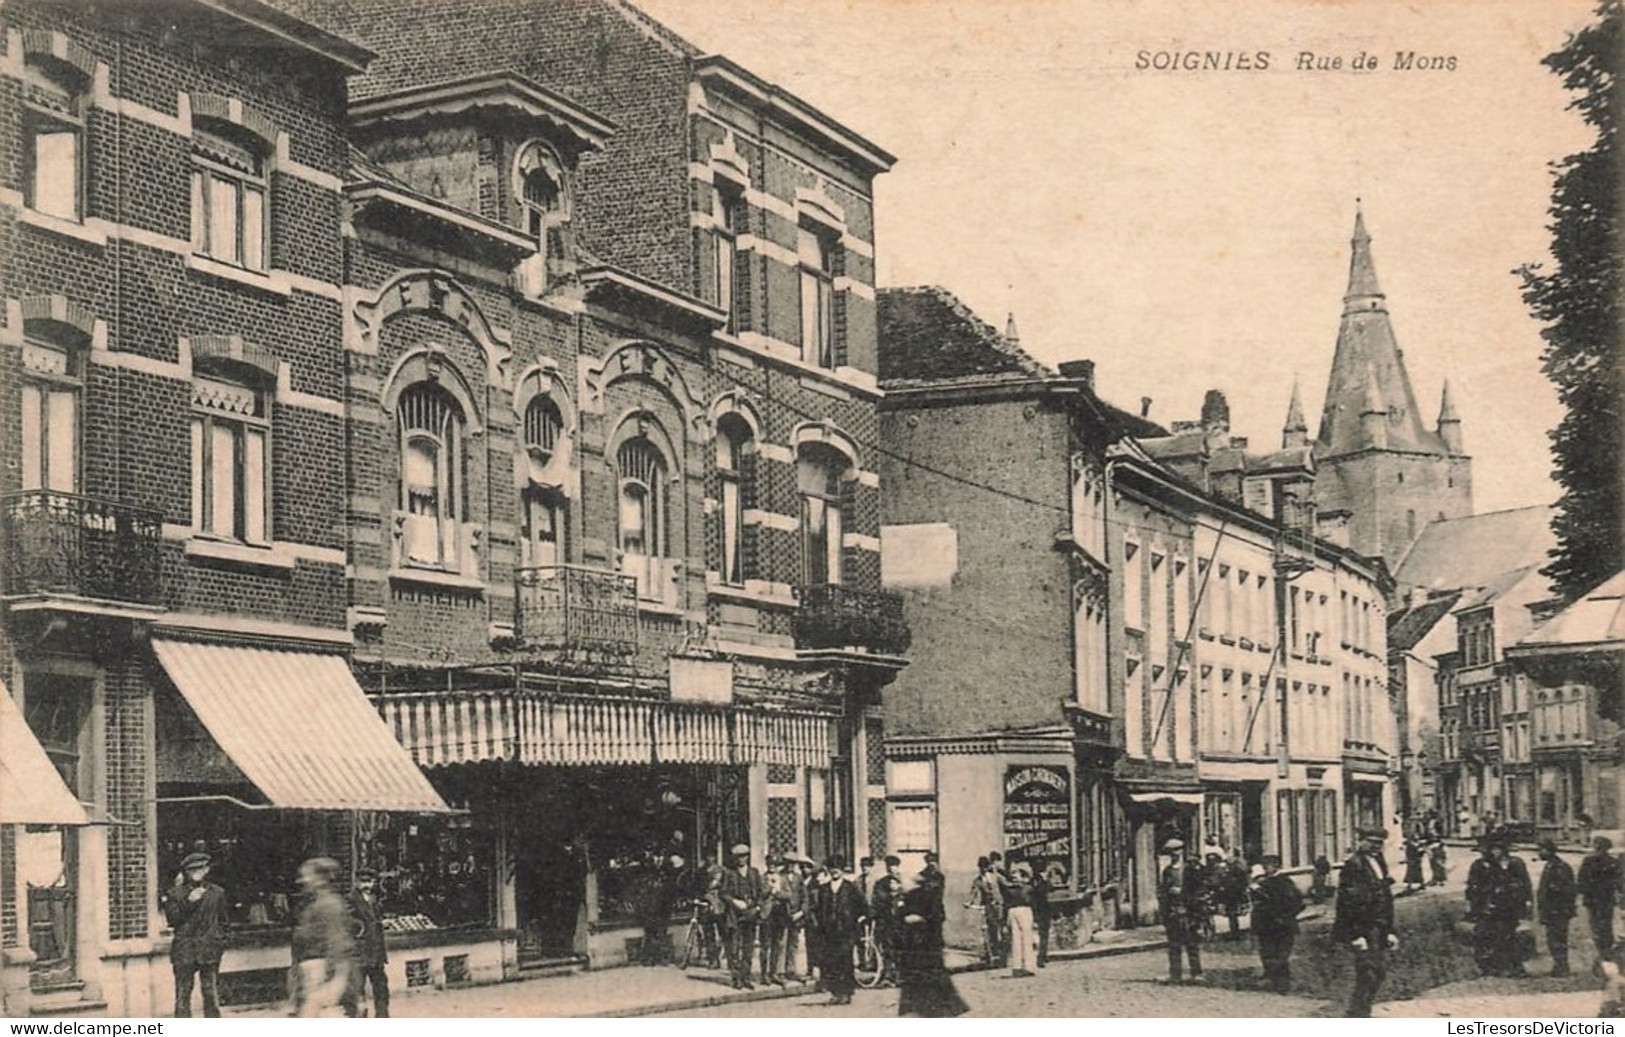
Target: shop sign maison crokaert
1038	814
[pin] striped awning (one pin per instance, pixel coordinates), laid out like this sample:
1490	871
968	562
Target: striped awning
443	728
298	726
31	790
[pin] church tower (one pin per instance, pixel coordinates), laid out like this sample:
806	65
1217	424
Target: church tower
1375	457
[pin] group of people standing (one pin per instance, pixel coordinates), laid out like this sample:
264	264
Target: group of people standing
1016	912
762	919
338	940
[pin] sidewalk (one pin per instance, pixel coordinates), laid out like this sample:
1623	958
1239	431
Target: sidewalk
638	991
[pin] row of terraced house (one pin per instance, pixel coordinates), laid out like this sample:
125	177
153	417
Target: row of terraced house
466	448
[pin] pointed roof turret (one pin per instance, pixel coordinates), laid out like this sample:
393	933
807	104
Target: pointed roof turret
1447	405
1363	293
1296	431
1369	367
1010	332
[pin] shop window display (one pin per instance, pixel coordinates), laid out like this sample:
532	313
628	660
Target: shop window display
256	854
433	873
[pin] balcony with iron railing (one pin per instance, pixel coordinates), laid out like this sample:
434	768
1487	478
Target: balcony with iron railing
836	617
69	545
577	608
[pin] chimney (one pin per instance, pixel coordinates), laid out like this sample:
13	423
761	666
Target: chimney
1079	370
1010	331
1145	406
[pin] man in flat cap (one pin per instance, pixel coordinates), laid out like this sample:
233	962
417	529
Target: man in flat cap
1179	900
1599	884
1498	895
1364	919
370	956
744	894
1554	905
1276	903
196	909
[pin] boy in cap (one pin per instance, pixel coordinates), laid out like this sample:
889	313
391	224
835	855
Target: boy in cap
1554	905
1179	894
370	956
885	902
196	909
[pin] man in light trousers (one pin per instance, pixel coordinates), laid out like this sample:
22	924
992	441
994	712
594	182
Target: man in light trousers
1018	902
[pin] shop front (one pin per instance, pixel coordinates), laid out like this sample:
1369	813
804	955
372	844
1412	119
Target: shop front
268	756
594	799
1154	813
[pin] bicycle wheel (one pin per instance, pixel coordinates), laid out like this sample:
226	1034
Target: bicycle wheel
691	945
870	962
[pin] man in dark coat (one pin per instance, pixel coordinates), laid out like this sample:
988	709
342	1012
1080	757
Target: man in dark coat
744	894
1364	918
841	913
885	903
1497	897
370	956
323	944
1554	905
1276	903
1180	901
1599	887
196	909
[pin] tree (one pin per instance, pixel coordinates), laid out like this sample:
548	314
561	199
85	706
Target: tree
1578	302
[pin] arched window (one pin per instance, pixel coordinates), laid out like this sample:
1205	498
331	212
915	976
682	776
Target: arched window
53	137
819	477
544	208
543	505
735	464
432	485
229	212
642	512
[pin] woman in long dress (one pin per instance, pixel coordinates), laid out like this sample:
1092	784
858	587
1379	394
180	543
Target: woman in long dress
927	990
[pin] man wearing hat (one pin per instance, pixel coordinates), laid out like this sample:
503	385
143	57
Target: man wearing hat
840	915
370	956
196	909
1364	919
1497	897
744	894
1179	900
786	911
1276	903
1599	887
885	903
1554	905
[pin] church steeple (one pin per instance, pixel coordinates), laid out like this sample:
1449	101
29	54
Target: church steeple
1364	294
1295	433
1368	351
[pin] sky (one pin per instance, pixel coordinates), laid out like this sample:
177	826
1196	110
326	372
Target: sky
1189	230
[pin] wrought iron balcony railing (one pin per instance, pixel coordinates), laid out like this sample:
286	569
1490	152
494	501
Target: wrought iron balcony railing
65	543
574	607
833	616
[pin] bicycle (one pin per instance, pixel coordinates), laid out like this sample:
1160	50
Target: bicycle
869	959
695	944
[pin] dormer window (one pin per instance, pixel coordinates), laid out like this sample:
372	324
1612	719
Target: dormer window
53	138
544	210
229	209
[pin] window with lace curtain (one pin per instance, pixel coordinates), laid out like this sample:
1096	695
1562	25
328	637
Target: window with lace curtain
643	531
818	476
733	444
432	431
230	459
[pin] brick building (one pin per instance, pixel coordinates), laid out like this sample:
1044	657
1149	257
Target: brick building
535	394
1141	615
172	421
